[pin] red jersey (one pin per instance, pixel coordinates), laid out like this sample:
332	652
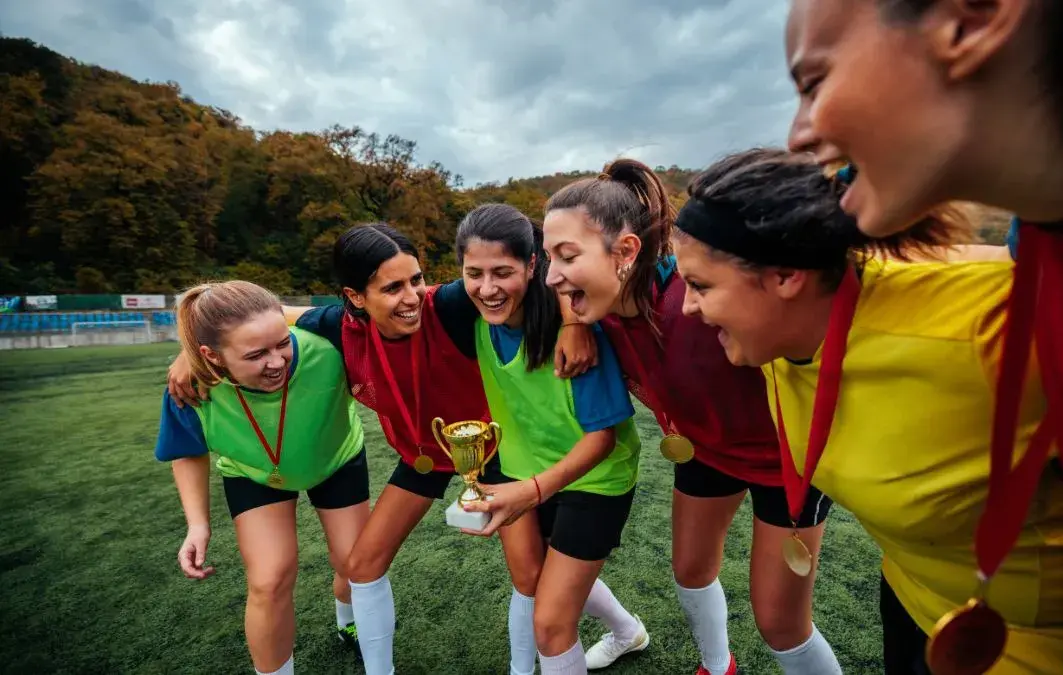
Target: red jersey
448	381
721	408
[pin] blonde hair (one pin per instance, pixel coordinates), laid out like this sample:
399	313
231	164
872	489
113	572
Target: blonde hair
207	311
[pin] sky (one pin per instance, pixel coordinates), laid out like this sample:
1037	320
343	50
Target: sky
492	89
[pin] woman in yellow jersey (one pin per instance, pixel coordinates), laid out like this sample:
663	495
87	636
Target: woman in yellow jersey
281	421
770	258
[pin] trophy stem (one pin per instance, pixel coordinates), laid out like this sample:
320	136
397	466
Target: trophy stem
472	493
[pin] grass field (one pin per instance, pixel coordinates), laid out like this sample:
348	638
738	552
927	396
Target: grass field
91	527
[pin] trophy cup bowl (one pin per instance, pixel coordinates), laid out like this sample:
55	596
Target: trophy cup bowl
465	443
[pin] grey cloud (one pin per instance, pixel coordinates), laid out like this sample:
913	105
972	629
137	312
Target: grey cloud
492	89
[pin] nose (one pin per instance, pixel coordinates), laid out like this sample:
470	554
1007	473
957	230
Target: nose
802	138
275	360
487	286
690	303
410	296
553	275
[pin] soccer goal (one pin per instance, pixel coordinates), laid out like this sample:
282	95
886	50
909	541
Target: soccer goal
84	333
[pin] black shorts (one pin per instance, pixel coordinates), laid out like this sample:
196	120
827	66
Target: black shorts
903	642
769	503
582	525
432	485
348	486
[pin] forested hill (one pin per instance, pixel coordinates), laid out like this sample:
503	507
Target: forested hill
112	185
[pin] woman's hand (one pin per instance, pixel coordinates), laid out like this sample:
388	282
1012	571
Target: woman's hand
576	351
193	553
507	503
182	389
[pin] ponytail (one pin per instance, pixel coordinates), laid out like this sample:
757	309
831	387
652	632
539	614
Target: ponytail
627	196
205	313
522	239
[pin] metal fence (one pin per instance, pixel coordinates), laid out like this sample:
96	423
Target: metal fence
104	324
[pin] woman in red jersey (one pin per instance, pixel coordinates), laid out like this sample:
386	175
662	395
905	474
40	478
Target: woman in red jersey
397	335
608	240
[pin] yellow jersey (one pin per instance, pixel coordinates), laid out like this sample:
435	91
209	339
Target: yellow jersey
908	453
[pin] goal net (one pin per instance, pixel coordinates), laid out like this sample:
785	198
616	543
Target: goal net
84	333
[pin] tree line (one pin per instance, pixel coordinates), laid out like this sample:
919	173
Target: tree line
113	185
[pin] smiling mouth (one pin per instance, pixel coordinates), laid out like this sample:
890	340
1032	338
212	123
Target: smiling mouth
273	376
410	315
494	305
578	299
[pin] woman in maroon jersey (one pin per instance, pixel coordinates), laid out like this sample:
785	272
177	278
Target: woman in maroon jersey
608	241
410	355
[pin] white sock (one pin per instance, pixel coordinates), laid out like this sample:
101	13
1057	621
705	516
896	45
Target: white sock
374	617
572	662
814	657
706	612
602	604
344	614
521	634
287	669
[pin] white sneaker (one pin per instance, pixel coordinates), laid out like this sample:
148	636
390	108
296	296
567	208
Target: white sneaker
607	650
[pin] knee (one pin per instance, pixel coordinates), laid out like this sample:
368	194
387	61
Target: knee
338	561
782	627
554	633
271	587
693	572
526	580
365	565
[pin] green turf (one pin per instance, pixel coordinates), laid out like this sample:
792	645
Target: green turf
92	524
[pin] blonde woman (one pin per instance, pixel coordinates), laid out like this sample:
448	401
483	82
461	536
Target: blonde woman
281	420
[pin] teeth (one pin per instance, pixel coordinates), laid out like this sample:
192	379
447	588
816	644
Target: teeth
494	305
406	315
831	169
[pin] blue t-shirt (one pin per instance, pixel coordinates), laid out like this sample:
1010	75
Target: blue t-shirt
454	307
181	432
599	395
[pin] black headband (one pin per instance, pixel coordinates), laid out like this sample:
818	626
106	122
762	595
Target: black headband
724	228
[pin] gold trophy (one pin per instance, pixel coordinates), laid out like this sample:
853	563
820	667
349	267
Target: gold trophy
465	444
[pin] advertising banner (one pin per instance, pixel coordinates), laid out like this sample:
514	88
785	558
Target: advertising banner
143	302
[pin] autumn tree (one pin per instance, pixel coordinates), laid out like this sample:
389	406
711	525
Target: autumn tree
113	185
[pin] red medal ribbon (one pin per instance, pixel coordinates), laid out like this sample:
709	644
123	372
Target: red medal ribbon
1035	287
842	310
393	385
655	404
274	458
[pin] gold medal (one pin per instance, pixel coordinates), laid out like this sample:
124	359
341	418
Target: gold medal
423	464
677	449
797	556
275	479
967	641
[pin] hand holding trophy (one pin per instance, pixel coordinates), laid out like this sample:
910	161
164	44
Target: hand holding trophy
465	444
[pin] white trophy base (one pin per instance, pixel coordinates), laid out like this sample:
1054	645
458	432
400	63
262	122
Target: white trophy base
469	520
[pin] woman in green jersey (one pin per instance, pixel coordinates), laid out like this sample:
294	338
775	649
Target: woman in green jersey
569	452
281	420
